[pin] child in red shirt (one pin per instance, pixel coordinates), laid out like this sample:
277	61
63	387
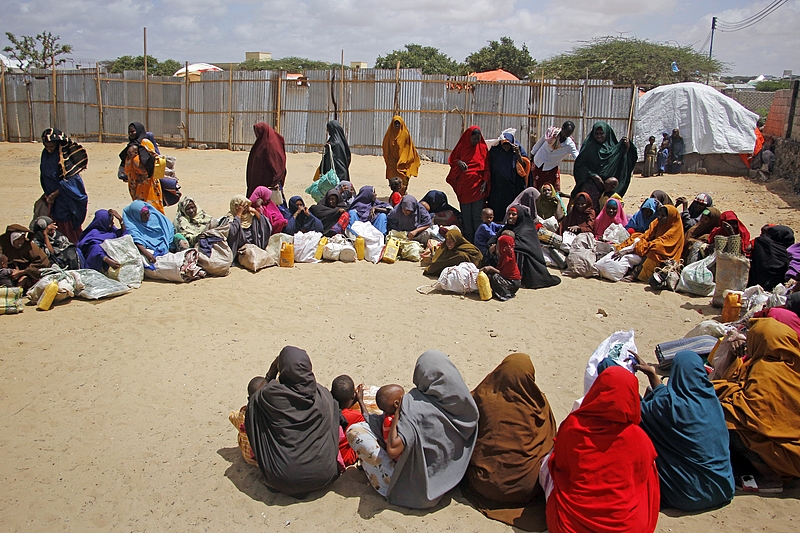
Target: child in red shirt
343	390
396	185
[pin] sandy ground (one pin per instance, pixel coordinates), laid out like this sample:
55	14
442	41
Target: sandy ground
114	414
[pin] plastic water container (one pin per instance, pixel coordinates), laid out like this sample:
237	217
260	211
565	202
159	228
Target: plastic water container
360	247
391	250
484	287
287	255
159	167
731	307
47	297
320	248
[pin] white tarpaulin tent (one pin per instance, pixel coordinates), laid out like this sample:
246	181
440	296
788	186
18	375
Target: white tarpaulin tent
710	122
195	69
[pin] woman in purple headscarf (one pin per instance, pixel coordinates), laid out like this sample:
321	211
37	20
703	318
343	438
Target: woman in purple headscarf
367	208
411	217
101	229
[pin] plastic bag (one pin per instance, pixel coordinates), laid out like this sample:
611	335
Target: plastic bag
254	258
697	278
373	239
754	299
614	270
732	272
338	248
616	233
10	300
180	267
723	353
551	224
582	257
305	246
462	278
553	258
709	327
616	347
221	258
778	296
69	284
97	286
274	248
124	251
319	188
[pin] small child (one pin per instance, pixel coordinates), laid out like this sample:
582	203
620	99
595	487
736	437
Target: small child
611	185
5	272
396	185
237	419
343	390
506	277
486	231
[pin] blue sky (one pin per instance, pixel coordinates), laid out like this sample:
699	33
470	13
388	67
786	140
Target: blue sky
219	30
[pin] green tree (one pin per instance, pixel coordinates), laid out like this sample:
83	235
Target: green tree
502	55
427	58
773	85
154	66
291	64
627	60
37	52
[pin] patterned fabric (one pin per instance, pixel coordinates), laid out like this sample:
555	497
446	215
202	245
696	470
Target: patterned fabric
550	238
237	419
374	459
10	303
73	156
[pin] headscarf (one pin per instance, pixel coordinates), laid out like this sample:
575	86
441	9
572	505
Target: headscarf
437	200
761	397
769	259
506	181
603	464
663	241
528	251
527	198
418	218
97	232
60	171
583	219
246	217
146	159
684	420
638	222
191	228
28	257
738	227
292	424
302	222
548	206
662	197
467	185
701	230
329	216
603	221
268	208
610	159
346	192
73	158
463	252
438	425
266	164
59	242
507	258
337	145
515	432
156	234
364	202
399	153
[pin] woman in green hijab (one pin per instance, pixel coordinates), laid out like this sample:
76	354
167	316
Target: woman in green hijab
602	157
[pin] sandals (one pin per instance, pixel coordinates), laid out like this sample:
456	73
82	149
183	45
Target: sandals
763	486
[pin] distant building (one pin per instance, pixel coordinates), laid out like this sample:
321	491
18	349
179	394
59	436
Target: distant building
258	56
358	64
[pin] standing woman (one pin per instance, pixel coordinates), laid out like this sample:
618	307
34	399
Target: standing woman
59	174
337	148
470	178
266	164
650	154
509	168
399	153
603	157
138	160
677	149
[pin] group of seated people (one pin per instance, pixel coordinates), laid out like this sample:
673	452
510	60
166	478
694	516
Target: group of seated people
615	460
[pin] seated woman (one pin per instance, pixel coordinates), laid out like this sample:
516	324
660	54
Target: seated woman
695	245
261	200
770	259
442	213
612	213
515	432
412	218
663	240
152	232
191	221
788	314
580	219
549	204
602	472
346	192
300	219
247	225
56	246
25	259
645	216
528	250
367	208
602	157
504	275
761	403
661	197
729	225
455	250
684	421
333	217
292	424
436	424
100	230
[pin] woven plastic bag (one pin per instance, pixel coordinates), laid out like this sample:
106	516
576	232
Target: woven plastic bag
732	273
615	269
461	279
124	251
97	286
10	300
582	257
254	258
697	278
615	233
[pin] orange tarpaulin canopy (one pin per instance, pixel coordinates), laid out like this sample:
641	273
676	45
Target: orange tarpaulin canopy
494	75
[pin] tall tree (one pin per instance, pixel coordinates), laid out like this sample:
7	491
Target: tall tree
155	67
625	60
292	64
502	55
427	58
38	51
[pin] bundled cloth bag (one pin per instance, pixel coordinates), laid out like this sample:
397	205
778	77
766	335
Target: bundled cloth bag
180	267
373	239
10	300
617	348
338	248
69	284
216	256
615	269
254	258
124	251
461	279
582	256
305	246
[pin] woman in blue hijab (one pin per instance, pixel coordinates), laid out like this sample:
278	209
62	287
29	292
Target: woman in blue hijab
642	219
150	229
509	168
684	419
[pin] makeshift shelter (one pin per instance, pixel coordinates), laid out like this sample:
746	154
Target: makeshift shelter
495	75
196	69
715	127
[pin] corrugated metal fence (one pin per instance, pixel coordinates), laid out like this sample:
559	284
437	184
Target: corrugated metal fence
221	108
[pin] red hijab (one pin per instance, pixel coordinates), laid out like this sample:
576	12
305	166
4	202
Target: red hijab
731	218
266	164
603	464
506	258
467	185
268	209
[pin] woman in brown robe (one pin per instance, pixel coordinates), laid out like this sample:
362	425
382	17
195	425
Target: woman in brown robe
25	259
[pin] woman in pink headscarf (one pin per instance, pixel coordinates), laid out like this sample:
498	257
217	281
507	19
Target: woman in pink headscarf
262	201
612	213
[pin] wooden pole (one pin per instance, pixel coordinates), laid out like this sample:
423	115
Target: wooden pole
99	103
5	105
630	113
397	89
186	126
230	108
278	99
30	111
585	104
146	88
55	93
341	87
541	104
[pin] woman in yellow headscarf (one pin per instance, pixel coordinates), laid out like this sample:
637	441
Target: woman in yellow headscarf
399	153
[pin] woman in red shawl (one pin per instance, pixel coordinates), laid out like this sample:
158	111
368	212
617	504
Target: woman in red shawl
603	464
729	224
266	164
469	177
